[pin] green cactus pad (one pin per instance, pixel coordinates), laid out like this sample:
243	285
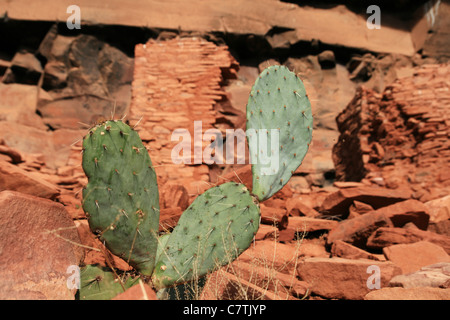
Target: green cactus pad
99	283
121	198
215	229
278	110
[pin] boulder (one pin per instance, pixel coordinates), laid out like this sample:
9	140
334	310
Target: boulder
84	79
339	202
345	250
39	244
384	237
407	211
339	278
435	275
274	216
439	209
296	206
307	224
413	256
356	231
16	179
25	68
18	104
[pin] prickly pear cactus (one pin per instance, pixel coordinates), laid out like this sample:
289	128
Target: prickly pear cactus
121	198
215	229
279	129
98	283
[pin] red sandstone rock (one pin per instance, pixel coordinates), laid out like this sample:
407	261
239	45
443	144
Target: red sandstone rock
345	250
413	137
140	291
297	207
356	231
240	175
407	211
338	278
15	156
274	216
194	88
439	209
222	285
264	231
358	208
436	275
411	257
173	195
94	250
269	279
168	218
384	237
14	178
338	203
38	243
284	236
18	105
279	256
307	224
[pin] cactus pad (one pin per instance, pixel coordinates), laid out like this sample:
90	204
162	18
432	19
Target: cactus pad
121	198
215	229
279	129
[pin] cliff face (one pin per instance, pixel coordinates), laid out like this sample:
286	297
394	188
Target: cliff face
399	138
